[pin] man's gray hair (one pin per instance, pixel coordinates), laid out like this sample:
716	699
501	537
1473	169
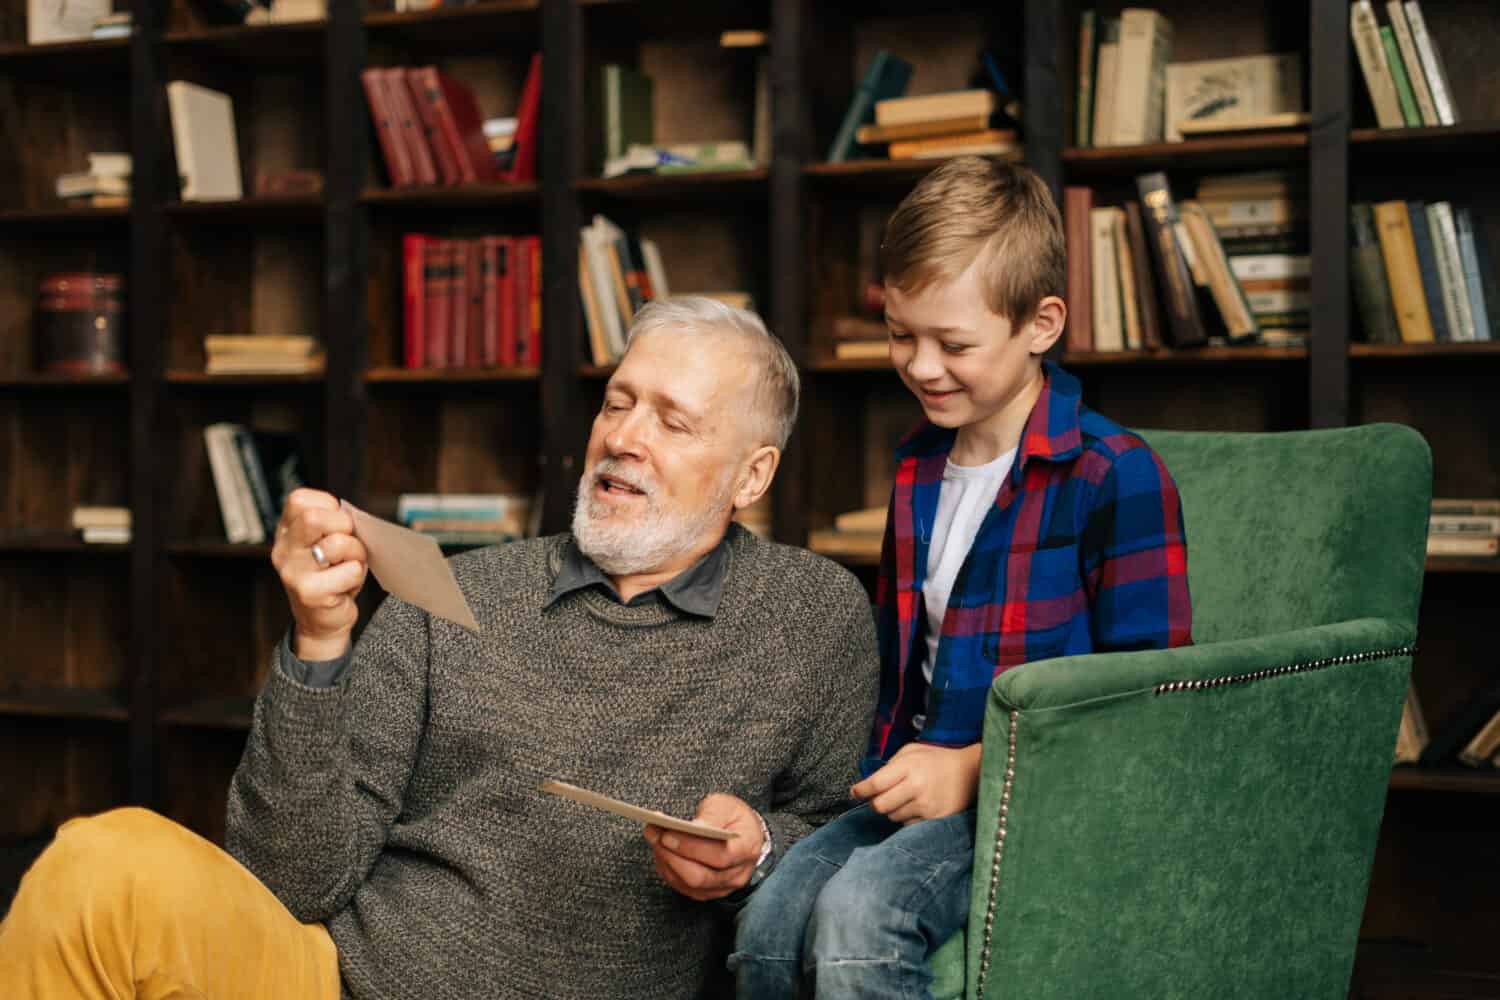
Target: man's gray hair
778	389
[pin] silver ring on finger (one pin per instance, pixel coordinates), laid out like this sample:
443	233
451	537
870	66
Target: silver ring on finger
319	557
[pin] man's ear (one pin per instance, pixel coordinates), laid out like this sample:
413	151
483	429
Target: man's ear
756	475
1047	325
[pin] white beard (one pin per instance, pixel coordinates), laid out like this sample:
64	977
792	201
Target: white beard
626	542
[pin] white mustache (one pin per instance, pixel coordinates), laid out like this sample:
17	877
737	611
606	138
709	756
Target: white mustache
609	468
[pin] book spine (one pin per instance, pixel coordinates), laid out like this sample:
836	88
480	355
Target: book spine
1488	279
413	334
1145	46
1083	125
1413	63
509	279
1145	289
1228	297
439	278
887	77
458	304
1372	296
1159	213
1427	268
474	302
1104	81
437	99
1403	273
1367	47
490	298
1077	203
1432	65
1404	97
1450	271
380	113
1130	309
409	125
1109	332
219	458
1463	223
534	328
424	97
255	477
523	156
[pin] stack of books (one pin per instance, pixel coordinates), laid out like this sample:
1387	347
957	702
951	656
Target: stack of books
106	182
253	472
856	339
856	534
238	354
117	25
288	12
934	126
431	131
102	525
1464	528
618	272
468	518
1261	221
472	303
1402	67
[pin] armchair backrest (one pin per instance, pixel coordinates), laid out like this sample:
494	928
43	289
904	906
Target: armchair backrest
1304	528
1201	821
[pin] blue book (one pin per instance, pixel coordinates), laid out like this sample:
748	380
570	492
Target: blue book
1475	275
886	78
1432	282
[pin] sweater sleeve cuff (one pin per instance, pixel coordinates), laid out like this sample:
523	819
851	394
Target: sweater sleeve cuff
311	673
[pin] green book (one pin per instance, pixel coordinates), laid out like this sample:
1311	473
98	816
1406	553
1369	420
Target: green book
886	78
628	116
1409	111
1088	54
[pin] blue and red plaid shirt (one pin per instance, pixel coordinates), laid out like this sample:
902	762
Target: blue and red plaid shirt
1082	552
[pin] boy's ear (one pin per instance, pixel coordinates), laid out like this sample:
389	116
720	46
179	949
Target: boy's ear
1047	325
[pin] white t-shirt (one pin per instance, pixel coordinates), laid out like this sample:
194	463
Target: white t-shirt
967	494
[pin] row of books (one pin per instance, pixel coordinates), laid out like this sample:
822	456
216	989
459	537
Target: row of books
1464	528
627	112
1423	273
469	518
472	303
105	183
882	119
1402	66
1230	265
1471	738
262	354
1130	92
254	471
102	525
431	131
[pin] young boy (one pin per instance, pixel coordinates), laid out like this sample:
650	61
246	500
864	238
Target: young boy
1022	526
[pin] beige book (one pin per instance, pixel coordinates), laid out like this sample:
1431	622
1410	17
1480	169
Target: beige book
927	107
862	350
203	135
1413	60
1259	91
256	364
872	135
1189	128
858	544
85	516
1104	93
955	142
1140	76
1371	53
1130	307
1402	272
1222	285
1411	737
1462	545
297	345
1008	150
1109	324
870	519
1484	746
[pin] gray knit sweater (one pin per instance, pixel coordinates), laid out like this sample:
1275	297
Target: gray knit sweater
401	806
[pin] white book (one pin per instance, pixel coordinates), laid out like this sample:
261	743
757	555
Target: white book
106	536
600	273
1451	271
1468	250
203	134
1250	267
1140	76
56	21
1109	328
1365	31
109	164
654	268
1432	65
1409	56
1104	88
1278	300
221	462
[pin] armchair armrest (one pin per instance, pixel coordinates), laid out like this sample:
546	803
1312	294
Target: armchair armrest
1196	821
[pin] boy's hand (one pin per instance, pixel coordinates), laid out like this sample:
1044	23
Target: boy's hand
923	781
702	868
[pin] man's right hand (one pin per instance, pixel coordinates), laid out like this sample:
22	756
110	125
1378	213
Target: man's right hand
322	599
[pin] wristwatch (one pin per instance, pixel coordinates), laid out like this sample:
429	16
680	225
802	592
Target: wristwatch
763	863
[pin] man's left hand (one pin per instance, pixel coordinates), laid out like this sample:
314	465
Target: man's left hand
705	869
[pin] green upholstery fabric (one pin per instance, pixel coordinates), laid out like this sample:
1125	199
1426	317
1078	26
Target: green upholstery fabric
1212	840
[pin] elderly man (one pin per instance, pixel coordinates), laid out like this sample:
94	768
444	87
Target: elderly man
386	812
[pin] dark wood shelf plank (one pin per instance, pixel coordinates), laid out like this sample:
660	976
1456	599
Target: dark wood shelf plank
1141	359
468	27
672	187
188	377
449	376
460	196
1476	781
1213	152
234	713
59	544
210	548
66	60
54	380
1470	349
64	216
1463	564
303	209
63	703
1481	135
291	45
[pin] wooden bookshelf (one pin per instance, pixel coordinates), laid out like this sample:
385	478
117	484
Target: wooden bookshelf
1238	152
58	544
450	376
307	209
1466	781
62	217
66	703
464	196
707	184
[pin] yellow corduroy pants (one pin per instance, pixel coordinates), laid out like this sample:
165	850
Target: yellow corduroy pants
129	904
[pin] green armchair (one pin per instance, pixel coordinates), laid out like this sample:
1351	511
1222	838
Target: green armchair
1201	822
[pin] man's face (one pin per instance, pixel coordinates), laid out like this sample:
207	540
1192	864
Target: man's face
962	361
664	453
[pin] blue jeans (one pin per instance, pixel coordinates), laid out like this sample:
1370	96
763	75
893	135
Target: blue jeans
857	907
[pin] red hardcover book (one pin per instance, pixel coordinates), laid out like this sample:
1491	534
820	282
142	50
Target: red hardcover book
425	95
523	155
458	305
396	167
507	281
463	109
1077	200
414	344
409	126
474	302
520	265
489	347
433	90
437	256
534	314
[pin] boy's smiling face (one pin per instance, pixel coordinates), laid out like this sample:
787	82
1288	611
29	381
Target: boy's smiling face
965	364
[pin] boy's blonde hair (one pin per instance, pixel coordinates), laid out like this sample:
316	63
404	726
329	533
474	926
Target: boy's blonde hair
973	206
